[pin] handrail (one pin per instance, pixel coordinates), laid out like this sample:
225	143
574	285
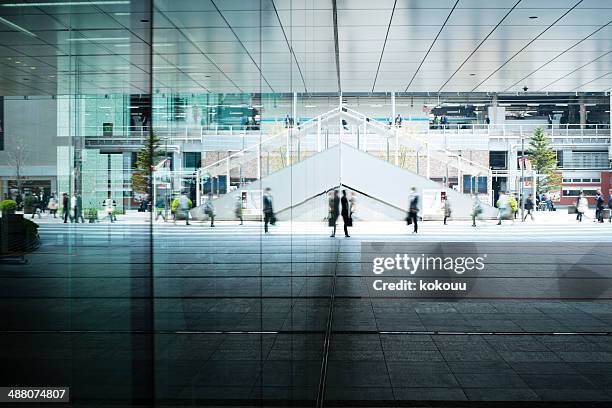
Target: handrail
446	151
284	131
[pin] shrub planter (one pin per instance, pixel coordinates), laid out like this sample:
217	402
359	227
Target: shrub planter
91	215
17	235
8	207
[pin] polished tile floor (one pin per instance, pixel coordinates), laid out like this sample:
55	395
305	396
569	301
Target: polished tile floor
245	319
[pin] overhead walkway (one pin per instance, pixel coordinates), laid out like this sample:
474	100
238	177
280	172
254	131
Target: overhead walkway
382	189
288	146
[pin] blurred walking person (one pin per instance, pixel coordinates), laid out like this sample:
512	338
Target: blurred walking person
36	206
529	206
446	207
503	207
345	212
209	209
599	207
334	211
65	207
52	206
268	209
109	206
610	207
238	209
184	205
413	210
160	208
582	205
78	208
476	209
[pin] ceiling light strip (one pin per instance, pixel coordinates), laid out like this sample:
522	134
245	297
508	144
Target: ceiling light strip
385	44
67	3
17	27
478	46
554	59
431	46
526	45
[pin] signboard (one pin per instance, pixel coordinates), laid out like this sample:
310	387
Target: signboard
107	129
251	202
432	203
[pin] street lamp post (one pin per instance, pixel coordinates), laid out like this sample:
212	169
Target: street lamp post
522	197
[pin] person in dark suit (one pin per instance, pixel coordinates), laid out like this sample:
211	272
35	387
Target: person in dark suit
413	210
65	207
268	210
344	211
334	211
599	207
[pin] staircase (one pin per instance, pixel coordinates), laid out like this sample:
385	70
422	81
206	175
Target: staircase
382	189
304	162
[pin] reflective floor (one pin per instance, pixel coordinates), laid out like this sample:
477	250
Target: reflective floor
246	319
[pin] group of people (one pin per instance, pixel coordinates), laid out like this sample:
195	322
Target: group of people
582	206
340	206
439	122
69	207
182	206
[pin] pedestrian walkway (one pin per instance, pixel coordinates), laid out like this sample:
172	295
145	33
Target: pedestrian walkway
549	231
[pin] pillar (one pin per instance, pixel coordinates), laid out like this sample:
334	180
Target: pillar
319	134
393	108
227	173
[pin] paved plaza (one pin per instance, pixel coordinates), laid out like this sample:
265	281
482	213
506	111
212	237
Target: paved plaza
241	316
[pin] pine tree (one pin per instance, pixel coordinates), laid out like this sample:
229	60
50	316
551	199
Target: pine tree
543	159
146	158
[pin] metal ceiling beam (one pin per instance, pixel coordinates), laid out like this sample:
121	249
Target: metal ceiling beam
336	44
431	46
478	46
567	50
527	45
385	44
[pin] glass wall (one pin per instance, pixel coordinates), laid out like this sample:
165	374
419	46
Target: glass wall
180	158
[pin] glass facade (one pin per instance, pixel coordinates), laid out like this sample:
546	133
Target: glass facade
138	118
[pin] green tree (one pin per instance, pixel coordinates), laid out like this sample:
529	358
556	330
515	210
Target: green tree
146	158
543	159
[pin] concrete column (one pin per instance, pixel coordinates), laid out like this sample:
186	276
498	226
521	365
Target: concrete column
583	114
227	173
258	162
393	108
198	181
177	159
319	135
428	162
295	108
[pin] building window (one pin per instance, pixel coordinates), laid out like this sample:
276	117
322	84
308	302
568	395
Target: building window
192	160
498	160
596	180
480	184
576	193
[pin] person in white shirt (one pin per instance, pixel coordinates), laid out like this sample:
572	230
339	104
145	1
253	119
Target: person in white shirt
185	206
502	206
109	206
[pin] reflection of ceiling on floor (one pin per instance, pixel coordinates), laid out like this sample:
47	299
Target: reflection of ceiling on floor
312	46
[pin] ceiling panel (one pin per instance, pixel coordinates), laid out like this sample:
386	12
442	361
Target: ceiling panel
227	45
